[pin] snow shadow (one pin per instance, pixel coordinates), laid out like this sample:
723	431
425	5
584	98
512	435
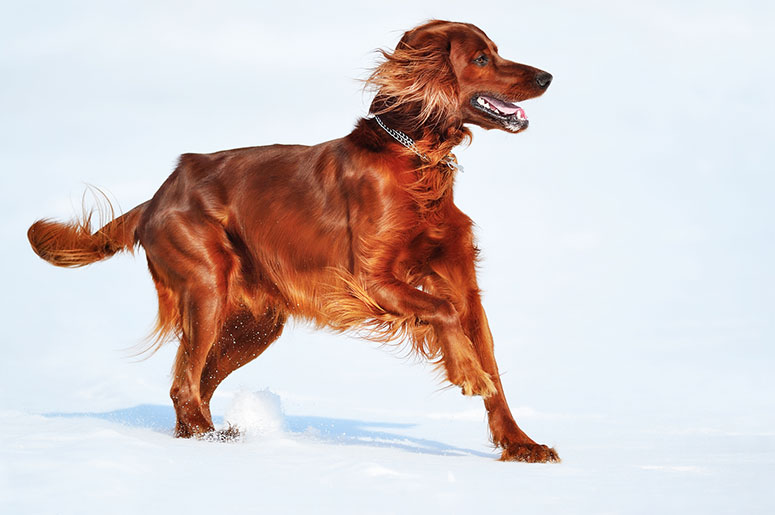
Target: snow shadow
149	416
342	431
339	431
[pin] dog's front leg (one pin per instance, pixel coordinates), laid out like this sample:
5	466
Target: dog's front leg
455	280
461	362
505	432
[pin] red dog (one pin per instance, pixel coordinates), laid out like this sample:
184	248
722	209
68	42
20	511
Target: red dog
358	232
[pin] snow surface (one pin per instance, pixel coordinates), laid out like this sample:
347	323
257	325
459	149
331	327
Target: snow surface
125	461
627	240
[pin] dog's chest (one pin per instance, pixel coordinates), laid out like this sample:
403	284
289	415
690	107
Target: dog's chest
425	246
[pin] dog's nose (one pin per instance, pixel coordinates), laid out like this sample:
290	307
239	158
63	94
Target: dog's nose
544	79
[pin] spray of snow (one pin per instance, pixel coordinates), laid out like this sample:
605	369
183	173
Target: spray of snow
256	414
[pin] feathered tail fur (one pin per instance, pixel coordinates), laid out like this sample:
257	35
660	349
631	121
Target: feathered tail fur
72	244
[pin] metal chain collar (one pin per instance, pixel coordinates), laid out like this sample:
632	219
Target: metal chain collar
408	142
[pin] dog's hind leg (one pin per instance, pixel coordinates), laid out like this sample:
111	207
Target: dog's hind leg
200	314
191	258
243	337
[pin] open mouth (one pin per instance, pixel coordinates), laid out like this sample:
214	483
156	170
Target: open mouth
510	115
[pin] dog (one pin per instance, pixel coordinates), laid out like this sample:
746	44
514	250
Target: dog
356	234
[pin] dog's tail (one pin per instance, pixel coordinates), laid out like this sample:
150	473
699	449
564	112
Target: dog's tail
72	244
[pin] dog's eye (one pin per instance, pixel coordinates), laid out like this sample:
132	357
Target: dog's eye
482	60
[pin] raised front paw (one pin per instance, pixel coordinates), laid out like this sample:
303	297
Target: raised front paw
530	453
475	382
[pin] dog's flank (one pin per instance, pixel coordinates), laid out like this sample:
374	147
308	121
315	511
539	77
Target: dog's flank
356	234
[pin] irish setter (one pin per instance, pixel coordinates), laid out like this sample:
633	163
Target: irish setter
358	233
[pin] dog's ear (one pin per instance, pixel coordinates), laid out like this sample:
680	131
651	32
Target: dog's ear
417	79
406	40
416	37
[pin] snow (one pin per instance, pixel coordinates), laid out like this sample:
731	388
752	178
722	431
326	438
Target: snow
125	461
627	243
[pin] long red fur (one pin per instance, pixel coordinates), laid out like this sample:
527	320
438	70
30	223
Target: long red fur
355	234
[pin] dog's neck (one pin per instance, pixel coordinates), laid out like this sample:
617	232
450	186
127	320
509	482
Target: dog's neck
432	146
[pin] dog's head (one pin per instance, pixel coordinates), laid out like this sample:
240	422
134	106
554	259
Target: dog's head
444	74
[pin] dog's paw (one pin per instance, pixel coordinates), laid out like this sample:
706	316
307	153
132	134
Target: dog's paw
192	430
481	385
228	434
530	453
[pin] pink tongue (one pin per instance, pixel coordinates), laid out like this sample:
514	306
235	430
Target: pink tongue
503	107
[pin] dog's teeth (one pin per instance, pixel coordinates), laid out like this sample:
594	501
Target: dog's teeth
481	101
